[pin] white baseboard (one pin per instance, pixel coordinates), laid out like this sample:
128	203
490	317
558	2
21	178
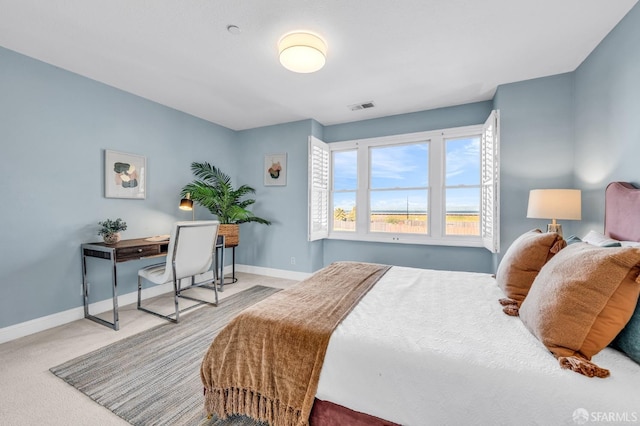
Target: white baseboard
54	320
39	324
270	272
36	325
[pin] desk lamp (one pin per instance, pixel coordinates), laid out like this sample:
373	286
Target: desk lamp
555	204
187	204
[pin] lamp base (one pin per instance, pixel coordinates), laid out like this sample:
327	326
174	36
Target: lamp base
557	228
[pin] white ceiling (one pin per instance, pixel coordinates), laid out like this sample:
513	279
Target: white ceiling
404	55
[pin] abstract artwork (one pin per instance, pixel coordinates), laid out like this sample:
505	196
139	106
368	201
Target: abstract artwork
124	175
275	169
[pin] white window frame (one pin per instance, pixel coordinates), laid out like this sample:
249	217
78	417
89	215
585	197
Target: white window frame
489	182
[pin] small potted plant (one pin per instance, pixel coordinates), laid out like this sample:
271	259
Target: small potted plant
110	230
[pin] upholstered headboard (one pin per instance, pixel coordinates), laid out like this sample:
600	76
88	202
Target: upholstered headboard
622	212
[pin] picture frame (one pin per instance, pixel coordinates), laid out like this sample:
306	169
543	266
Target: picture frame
125	175
275	169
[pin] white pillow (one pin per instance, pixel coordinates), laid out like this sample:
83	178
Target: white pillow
597	239
629	244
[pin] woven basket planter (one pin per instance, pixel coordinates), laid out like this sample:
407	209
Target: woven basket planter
231	234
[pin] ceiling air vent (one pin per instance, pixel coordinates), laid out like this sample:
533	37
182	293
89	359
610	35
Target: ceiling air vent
364	105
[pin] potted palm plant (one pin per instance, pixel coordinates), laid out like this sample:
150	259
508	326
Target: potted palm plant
213	190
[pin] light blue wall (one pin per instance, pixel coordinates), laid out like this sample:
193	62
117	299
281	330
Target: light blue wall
54	126
536	148
607	117
442	118
286	206
577	129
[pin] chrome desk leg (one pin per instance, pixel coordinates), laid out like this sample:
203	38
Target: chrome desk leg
116	319
85	284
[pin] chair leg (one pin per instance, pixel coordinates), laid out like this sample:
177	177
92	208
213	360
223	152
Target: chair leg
176	294
176	297
141	308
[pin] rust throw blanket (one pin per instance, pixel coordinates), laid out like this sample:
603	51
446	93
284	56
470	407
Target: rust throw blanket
266	363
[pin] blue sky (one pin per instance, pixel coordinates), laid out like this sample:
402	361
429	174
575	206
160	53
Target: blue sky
404	167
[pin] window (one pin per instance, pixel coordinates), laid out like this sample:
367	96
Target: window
462	186
344	190
437	187
399	188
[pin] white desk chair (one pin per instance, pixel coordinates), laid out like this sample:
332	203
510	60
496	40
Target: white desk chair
190	253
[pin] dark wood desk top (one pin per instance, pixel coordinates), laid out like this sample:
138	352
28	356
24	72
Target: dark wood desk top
125	250
135	242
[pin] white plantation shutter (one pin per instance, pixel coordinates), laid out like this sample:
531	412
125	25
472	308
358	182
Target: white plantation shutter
490	217
319	168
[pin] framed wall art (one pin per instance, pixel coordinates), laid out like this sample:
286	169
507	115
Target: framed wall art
275	169
125	175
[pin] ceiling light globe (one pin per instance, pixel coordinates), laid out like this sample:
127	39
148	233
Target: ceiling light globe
302	52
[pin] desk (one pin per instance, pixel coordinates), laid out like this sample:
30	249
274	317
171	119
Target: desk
124	251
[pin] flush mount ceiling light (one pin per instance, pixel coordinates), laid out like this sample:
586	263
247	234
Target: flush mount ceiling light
302	52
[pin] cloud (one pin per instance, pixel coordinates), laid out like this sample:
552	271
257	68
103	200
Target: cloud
463	160
406	165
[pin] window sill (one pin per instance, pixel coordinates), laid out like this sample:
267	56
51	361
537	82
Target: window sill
409	239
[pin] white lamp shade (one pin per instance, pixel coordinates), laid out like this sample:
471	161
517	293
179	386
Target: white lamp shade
565	204
302	52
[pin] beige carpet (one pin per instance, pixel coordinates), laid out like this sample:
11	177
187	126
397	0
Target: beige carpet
30	394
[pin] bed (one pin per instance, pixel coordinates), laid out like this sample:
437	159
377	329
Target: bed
420	347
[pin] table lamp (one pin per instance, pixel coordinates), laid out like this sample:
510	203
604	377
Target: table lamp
187	204
554	204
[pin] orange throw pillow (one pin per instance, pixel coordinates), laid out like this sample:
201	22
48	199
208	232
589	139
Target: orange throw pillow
523	260
581	300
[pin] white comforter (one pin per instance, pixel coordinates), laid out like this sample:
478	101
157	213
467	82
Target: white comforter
427	347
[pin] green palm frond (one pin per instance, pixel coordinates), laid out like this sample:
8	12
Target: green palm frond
213	190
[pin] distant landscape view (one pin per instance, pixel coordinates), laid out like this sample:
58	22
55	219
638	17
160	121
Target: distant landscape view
399	191
457	223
